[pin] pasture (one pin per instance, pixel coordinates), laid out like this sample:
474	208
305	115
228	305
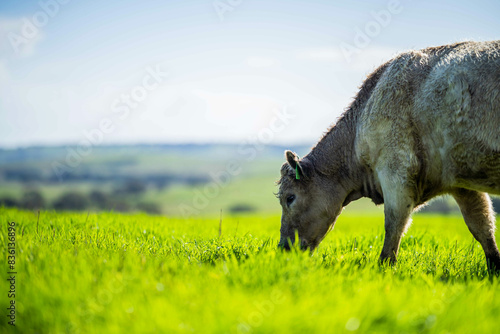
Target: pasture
156	157
115	273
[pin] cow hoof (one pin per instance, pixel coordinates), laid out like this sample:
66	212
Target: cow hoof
493	263
387	260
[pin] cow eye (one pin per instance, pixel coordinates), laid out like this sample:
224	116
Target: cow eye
290	199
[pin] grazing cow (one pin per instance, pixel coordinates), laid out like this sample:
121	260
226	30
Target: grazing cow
424	124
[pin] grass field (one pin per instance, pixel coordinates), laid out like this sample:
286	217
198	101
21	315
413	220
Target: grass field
114	273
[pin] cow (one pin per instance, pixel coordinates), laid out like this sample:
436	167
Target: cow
425	123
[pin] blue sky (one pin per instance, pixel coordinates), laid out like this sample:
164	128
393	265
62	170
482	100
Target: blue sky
224	69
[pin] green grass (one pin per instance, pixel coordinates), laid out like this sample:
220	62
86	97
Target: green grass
114	273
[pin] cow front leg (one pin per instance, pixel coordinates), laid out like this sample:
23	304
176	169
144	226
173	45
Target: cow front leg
396	223
398	207
480	219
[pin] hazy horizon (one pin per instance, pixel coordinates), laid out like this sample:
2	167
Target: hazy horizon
156	143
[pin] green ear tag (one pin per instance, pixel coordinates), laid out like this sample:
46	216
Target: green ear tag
297	176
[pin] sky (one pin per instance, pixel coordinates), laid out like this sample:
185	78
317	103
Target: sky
112	72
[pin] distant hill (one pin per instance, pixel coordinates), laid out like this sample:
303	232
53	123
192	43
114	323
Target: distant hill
159	178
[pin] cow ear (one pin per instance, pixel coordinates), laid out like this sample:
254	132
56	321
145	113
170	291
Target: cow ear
293	161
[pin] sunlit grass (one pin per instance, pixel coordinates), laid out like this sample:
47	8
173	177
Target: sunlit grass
113	273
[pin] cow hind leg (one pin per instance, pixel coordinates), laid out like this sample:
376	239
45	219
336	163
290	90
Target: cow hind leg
480	219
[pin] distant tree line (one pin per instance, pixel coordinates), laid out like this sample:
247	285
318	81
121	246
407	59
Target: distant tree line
121	200
28	175
443	206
